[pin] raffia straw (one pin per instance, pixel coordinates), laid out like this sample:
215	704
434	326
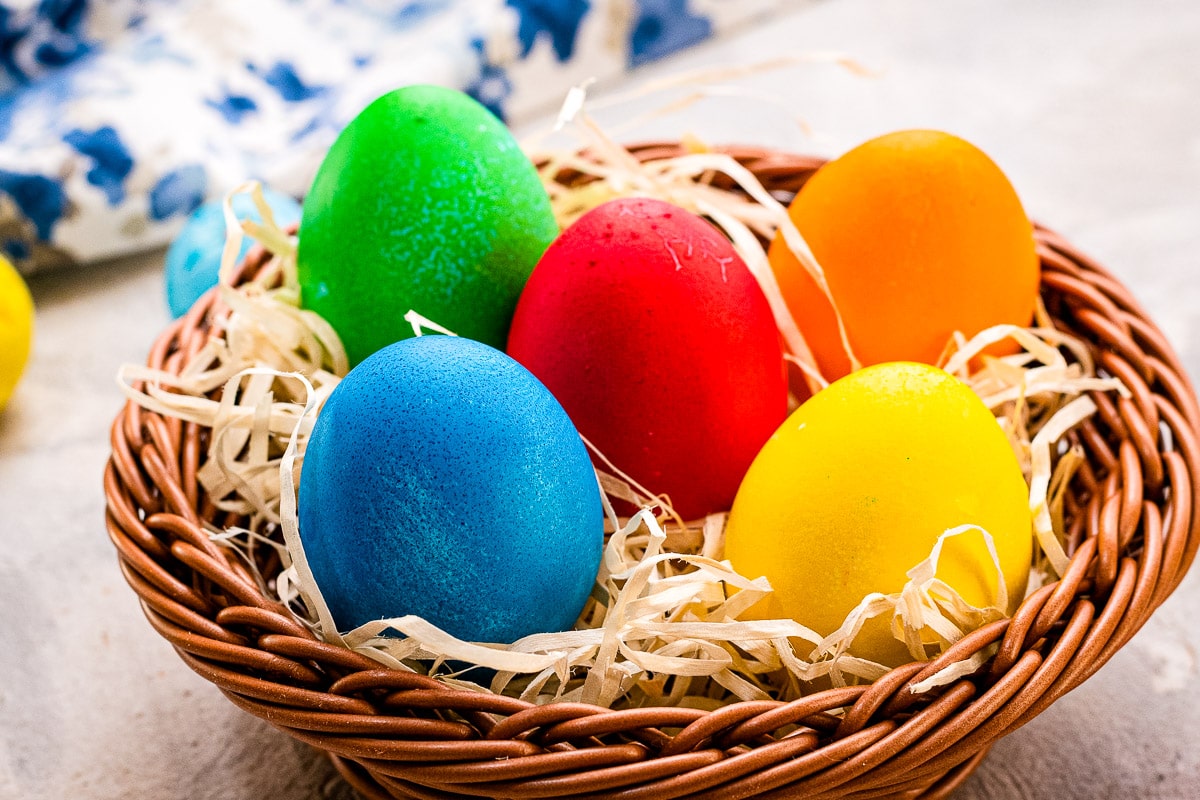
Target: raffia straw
707	78
667	621
1038	383
709	82
925	612
270	347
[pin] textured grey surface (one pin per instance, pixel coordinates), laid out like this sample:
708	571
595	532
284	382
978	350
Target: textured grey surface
1091	108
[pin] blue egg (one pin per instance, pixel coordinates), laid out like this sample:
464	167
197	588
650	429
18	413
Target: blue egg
194	258
442	479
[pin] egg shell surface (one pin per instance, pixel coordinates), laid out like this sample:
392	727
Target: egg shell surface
919	234
193	260
442	480
16	328
649	328
424	202
855	487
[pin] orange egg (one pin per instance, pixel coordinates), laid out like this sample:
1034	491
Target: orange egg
920	235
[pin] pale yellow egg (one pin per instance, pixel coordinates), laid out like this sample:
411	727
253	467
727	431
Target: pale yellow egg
16	328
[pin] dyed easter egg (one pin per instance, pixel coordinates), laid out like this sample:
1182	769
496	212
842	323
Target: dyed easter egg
920	235
424	202
857	485
442	480
648	327
16	328
194	257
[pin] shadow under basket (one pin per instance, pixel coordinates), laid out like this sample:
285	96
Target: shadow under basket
1131	535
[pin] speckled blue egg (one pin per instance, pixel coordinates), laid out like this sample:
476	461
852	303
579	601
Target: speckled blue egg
442	479
194	257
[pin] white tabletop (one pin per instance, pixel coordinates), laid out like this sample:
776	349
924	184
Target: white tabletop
1092	107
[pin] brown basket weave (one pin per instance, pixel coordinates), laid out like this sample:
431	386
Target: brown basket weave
1132	534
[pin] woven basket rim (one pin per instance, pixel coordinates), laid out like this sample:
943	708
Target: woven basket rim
1134	533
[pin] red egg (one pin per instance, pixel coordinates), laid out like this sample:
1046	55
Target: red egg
652	333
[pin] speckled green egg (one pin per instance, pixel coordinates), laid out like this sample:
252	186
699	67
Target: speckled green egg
424	202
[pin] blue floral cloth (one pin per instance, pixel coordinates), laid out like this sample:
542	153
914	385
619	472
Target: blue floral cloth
120	117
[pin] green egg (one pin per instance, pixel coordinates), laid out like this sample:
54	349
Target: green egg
424	202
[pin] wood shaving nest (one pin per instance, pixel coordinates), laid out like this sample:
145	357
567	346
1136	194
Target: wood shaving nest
665	624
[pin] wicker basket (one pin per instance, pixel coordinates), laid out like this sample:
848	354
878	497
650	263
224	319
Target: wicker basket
1132	534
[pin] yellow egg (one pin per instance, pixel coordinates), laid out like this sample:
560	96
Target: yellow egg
855	487
16	328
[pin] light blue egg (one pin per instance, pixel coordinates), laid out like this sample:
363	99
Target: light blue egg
443	479
194	258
